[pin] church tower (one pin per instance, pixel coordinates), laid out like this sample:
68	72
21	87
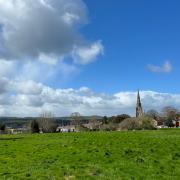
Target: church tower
139	110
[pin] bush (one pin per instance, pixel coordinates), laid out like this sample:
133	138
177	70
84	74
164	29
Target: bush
108	127
149	123
82	128
138	124
130	124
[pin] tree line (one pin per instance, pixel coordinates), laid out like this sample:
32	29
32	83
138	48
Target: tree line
46	122
168	115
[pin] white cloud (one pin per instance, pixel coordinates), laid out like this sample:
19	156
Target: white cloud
165	68
85	55
70	18
48	59
27	87
7	68
42	29
36	38
4	83
29	98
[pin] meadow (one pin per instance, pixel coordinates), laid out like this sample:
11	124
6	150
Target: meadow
91	155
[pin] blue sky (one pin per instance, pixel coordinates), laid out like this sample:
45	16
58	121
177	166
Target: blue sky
134	34
88	56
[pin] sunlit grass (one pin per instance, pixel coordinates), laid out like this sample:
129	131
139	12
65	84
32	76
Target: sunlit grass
100	155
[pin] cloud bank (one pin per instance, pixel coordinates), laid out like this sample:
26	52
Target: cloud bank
22	96
28	98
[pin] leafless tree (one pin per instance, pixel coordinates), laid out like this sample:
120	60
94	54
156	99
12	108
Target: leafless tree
170	112
94	123
76	119
153	114
47	122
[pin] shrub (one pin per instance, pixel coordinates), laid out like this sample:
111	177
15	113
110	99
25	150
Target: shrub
148	123
138	123
108	127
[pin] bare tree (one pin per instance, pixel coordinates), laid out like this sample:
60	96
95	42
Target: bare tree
94	124
170	112
76	119
47	122
153	114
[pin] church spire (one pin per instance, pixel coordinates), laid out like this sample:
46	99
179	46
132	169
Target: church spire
138	99
139	110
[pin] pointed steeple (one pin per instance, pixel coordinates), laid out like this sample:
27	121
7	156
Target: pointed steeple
139	110
138	99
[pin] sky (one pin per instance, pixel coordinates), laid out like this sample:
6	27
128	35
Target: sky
86	56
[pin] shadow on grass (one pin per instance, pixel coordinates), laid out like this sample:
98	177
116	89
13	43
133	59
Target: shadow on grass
10	173
10	139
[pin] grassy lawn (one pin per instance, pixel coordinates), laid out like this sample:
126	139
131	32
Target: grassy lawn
98	155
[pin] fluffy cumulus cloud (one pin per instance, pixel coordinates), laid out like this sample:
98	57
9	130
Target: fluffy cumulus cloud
20	95
85	55
29	98
165	68
40	41
45	30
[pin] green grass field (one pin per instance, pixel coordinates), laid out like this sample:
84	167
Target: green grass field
97	155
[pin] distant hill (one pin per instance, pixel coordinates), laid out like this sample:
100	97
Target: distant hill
23	121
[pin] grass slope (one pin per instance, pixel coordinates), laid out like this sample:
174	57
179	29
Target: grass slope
101	155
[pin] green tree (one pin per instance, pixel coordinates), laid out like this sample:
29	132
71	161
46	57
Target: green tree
34	126
2	127
105	120
120	118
